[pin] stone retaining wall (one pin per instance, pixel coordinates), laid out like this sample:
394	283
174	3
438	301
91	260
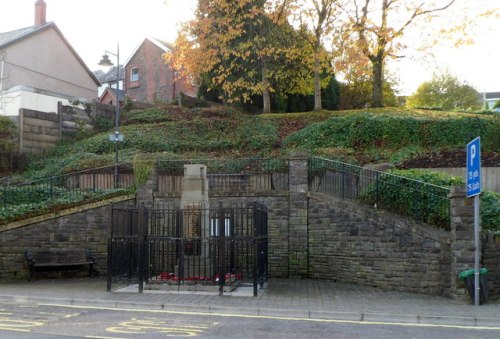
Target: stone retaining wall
86	228
491	260
352	243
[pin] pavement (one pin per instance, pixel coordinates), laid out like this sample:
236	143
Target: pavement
282	298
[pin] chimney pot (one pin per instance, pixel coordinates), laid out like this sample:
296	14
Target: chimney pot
40	13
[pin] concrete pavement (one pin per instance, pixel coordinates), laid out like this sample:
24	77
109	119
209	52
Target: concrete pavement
311	299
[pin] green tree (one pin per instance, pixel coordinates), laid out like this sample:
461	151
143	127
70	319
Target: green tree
447	92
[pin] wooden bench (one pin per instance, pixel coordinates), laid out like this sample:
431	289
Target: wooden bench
61	259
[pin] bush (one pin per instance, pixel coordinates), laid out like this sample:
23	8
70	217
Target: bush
490	211
365	130
7	134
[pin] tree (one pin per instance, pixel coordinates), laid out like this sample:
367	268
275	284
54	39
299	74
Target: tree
447	92
242	46
321	15
375	27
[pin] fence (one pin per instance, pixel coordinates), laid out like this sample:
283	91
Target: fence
419	200
192	246
64	190
227	175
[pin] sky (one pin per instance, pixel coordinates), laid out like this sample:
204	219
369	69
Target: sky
94	26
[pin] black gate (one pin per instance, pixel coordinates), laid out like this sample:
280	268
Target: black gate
191	246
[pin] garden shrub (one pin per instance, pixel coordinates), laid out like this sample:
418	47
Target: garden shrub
420	194
7	134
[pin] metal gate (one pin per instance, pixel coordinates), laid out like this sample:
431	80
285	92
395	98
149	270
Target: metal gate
192	246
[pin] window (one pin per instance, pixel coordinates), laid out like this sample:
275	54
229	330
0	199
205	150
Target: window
134	74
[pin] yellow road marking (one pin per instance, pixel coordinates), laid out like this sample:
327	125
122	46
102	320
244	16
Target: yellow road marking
234	315
16	323
64	315
138	326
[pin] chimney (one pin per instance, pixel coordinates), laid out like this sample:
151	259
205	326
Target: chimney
40	11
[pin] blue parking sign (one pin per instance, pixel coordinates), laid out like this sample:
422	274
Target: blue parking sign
474	167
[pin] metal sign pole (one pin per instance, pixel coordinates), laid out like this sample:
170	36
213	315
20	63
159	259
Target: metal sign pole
477	287
473	180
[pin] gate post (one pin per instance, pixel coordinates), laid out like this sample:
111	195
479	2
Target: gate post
140	245
462	238
110	250
222	249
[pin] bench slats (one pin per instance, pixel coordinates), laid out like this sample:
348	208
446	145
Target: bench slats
59	258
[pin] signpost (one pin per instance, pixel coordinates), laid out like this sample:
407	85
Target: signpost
473	182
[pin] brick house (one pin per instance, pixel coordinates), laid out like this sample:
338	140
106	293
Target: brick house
149	79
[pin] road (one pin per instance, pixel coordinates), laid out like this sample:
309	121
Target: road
29	321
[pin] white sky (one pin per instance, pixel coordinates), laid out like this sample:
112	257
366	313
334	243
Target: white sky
93	26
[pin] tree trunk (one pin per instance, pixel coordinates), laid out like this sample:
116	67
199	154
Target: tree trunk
317	85
378	79
266	96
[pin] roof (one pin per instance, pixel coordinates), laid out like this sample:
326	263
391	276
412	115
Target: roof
163	45
10	38
121	93
492	95
109	76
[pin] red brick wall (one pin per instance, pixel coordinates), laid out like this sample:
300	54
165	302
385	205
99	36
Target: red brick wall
156	81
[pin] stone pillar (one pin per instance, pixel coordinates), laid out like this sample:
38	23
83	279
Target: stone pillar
298	215
195	206
145	194
462	238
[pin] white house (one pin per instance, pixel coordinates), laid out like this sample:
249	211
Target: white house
39	68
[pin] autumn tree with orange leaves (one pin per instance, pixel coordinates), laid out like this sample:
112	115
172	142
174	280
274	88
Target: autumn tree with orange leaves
245	46
375	27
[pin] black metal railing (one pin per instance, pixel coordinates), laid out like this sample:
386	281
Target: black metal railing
221	246
227	175
419	200
25	197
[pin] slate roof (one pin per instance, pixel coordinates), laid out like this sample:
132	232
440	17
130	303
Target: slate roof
492	95
109	76
12	37
7	37
121	93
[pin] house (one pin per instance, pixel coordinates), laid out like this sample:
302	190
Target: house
110	95
108	79
149	79
39	68
490	99
107	91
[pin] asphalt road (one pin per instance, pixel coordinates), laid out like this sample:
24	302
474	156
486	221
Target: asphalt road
29	321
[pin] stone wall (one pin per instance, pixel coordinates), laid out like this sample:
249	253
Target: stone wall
491	260
87	227
353	243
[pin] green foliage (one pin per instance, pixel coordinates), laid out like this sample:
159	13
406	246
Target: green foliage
496	105
103	124
358	94
150	115
490	211
7	134
364	130
447	92
491	138
143	166
421	194
26	201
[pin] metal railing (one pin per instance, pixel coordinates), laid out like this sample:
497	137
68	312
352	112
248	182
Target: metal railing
22	198
227	175
419	200
195	246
